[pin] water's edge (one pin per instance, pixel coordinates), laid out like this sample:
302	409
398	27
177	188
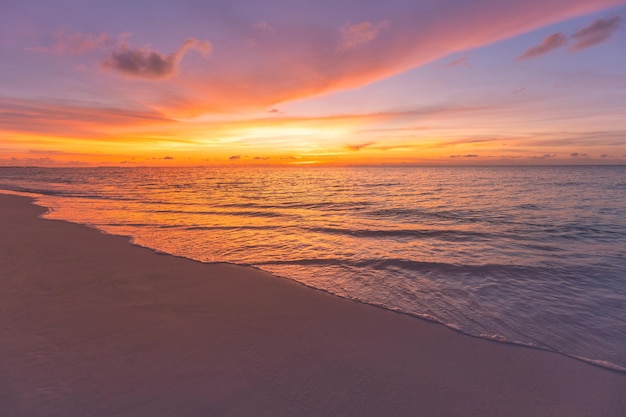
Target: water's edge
35	200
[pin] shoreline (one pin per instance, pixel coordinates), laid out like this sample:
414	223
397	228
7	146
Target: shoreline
78	302
602	364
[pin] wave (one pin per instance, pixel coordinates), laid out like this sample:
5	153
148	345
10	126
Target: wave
417	266
455	235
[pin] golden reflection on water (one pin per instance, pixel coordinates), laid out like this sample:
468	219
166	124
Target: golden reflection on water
504	252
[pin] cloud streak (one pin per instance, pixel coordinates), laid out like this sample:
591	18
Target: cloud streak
549	44
462	61
74	43
312	59
70	119
150	64
597	32
358	146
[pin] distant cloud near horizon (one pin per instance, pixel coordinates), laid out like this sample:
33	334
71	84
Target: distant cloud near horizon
597	32
150	64
234	157
549	44
359	146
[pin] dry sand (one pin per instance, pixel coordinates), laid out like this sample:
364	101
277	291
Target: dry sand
93	326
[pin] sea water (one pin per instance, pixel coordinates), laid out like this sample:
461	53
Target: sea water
527	255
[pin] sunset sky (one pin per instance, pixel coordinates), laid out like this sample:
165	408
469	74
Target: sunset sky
193	82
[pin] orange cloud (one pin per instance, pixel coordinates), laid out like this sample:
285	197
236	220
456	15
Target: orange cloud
359	146
70	120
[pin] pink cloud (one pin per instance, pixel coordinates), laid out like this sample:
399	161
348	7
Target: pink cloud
353	35
306	59
150	64
549	44
462	61
597	32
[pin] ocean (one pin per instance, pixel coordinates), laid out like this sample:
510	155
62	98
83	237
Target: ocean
527	255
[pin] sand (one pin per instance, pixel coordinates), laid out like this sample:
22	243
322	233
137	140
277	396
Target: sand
93	326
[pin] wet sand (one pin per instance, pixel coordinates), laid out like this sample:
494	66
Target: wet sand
93	326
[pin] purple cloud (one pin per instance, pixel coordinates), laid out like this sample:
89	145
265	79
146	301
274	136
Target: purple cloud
150	64
549	44
74	43
596	33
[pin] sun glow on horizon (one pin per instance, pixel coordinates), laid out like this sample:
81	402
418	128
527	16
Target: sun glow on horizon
348	88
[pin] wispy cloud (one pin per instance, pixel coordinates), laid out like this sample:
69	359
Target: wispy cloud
151	64
73	43
549	44
358	146
264	26
462	61
597	32
354	35
77	119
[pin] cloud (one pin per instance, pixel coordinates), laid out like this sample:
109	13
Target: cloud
40	162
578	155
464	156
596	33
261	158
358	147
168	157
462	61
234	157
150	64
71	119
264	26
74	43
549	44
353	35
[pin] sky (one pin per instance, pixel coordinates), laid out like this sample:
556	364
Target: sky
266	82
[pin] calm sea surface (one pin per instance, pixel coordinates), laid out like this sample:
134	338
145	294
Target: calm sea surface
529	255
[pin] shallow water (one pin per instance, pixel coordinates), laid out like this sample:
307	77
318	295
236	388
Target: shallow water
530	255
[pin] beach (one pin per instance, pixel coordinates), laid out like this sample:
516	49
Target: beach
94	326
